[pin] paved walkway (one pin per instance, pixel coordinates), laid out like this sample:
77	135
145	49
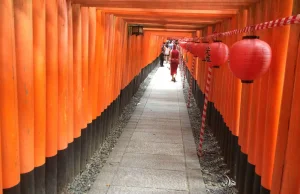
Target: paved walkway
156	152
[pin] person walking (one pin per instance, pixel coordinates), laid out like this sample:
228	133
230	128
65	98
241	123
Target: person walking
174	61
167	52
161	56
171	44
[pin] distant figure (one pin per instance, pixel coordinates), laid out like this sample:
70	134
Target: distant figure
171	44
161	56
167	52
174	61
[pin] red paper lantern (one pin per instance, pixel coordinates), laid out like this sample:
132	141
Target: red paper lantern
250	58
183	45
216	54
200	49
193	48
189	46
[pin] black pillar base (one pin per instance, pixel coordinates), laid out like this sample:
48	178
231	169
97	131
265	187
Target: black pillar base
94	137
234	157
237	162
13	190
62	161
77	155
84	148
88	142
249	179
256	184
242	172
51	175
27	182
264	190
70	162
39	179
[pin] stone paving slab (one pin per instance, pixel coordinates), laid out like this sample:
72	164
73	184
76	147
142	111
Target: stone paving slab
155	148
138	190
161	179
157	137
159	130
156	153
152	161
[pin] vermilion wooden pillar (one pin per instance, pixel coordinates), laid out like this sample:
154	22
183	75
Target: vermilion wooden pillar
77	81
91	78
24	64
70	97
9	102
62	155
51	96
39	64
97	110
277	69
85	127
291	176
284	127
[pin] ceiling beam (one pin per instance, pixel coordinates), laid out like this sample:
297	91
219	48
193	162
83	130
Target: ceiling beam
170	11
168	30
165	5
193	28
167	21
191	18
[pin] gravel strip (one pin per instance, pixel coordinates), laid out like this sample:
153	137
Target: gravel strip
83	182
215	172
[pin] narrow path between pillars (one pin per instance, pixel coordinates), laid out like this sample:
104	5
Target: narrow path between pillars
156	152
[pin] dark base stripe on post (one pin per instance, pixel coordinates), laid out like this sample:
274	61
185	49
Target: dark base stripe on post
256	184
101	130
13	190
51	175
77	155
89	136
84	148
264	190
97	132
235	154
27	182
39	179
62	165
70	168
249	180
242	172
94	137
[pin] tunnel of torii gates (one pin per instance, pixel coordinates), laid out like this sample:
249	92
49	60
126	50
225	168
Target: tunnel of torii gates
68	68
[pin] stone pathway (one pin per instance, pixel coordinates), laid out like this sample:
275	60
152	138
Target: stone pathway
156	152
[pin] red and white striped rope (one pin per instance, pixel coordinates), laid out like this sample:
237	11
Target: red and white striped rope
191	82
203	118
184	72
181	64
262	26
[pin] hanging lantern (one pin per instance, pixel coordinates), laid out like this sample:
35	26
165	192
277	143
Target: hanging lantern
200	50
216	53
193	48
250	58
189	46
183	44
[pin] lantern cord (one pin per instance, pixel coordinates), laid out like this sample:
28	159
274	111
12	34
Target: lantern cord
262	26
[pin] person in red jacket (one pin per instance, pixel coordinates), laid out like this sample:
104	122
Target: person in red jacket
174	61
